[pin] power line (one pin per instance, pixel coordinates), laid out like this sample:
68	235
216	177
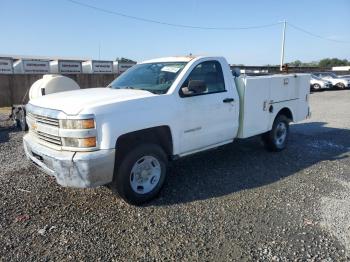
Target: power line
147	20
166	23
315	35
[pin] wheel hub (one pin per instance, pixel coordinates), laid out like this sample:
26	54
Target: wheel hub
281	133
145	174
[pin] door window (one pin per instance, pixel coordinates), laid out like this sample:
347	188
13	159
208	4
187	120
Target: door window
210	72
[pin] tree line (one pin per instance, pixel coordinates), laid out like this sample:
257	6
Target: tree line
326	62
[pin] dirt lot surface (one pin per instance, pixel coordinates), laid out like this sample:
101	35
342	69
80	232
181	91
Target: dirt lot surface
238	203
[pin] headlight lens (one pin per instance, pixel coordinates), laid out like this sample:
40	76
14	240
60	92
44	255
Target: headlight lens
79	142
77	123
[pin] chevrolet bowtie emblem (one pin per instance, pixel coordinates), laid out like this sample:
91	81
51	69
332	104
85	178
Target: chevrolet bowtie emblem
34	126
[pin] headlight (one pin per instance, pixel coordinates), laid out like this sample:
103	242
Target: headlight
79	142
77	123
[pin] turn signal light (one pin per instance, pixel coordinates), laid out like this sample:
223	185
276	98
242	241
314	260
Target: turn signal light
79	142
88	142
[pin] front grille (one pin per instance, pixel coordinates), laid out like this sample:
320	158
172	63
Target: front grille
49	138
40	132
45	120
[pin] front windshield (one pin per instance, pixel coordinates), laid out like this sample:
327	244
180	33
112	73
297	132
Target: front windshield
329	74
153	77
316	77
333	75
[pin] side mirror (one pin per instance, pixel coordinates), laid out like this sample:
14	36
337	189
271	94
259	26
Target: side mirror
236	72
194	87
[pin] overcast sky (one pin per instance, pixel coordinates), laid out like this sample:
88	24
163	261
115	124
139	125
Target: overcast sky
62	28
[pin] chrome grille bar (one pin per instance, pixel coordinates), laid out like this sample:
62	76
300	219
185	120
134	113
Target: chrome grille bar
45	120
49	138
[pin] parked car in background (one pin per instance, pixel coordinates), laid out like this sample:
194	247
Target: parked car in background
317	83
347	77
337	81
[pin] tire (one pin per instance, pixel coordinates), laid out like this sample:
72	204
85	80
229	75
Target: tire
141	173
340	86
276	139
21	120
315	87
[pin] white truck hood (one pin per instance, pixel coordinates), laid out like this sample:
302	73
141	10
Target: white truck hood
72	102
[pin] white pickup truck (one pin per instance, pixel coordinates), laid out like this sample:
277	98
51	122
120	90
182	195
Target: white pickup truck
159	110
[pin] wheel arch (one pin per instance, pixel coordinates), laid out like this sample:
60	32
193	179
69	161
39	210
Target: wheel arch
160	135
286	111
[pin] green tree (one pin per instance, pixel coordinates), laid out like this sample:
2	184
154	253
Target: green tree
330	62
296	63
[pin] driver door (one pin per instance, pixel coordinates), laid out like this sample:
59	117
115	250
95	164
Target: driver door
208	118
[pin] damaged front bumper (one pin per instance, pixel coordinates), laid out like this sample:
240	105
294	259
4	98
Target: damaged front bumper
72	169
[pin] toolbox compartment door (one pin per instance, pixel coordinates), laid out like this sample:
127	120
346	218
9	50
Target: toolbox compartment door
254	93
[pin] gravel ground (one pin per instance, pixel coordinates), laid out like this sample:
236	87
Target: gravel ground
238	203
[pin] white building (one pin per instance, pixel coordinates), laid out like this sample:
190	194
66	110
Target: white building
341	68
6	65
65	67
31	66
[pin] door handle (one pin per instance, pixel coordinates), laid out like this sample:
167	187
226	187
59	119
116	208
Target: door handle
228	100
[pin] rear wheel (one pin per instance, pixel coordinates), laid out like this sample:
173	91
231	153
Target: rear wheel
140	174
340	86
276	139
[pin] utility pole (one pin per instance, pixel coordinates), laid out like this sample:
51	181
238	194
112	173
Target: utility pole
99	51
283	44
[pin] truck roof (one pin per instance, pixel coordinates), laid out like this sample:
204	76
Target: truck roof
170	59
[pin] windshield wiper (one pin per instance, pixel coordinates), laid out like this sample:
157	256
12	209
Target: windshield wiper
123	87
153	91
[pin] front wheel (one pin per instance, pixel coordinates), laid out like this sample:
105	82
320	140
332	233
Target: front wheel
315	87
141	174
276	139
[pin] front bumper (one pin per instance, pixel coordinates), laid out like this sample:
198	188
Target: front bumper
72	169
